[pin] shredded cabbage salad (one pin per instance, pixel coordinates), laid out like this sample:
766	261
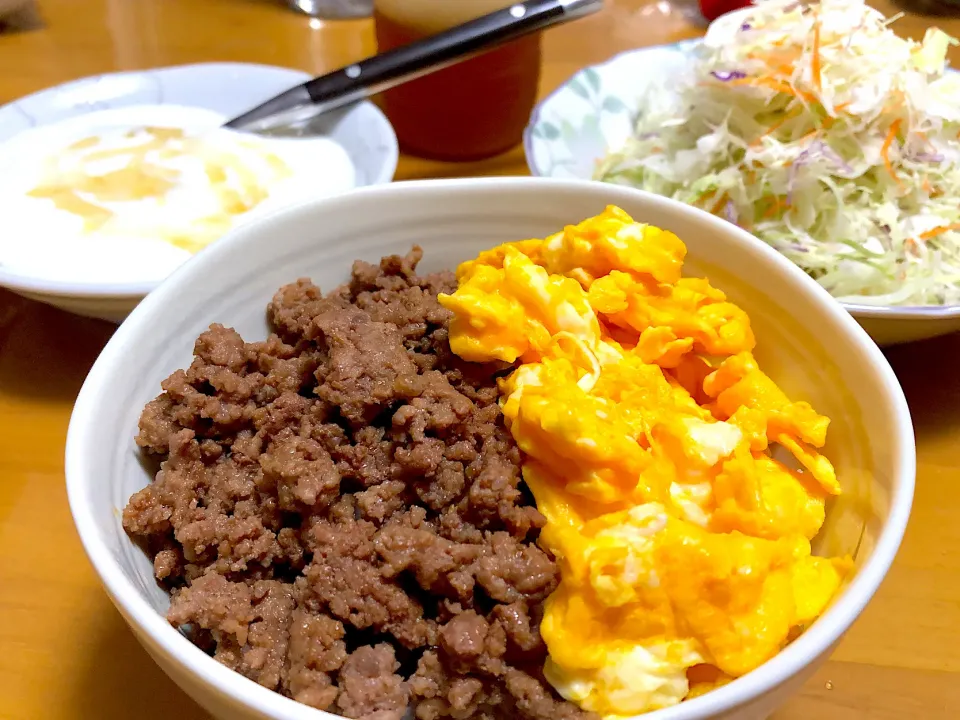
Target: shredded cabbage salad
826	135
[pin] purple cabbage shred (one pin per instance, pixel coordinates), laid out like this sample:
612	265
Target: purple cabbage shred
730	212
830	154
728	75
816	150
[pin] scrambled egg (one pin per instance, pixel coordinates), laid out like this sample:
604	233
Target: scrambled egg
646	424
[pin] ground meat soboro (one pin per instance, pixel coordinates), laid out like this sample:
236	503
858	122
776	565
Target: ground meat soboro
339	513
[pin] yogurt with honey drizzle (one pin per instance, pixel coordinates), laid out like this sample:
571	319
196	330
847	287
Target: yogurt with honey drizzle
127	195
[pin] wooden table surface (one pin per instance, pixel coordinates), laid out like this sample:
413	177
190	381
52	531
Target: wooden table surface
65	653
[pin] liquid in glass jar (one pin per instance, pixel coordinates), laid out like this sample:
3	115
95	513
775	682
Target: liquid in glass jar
472	110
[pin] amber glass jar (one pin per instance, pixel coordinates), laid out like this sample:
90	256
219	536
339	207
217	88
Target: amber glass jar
472	110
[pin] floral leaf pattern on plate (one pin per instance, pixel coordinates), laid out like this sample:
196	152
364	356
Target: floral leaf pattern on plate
596	110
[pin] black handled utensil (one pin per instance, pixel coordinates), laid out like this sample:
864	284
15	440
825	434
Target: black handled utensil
394	67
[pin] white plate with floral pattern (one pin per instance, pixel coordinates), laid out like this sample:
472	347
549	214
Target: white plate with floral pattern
597	109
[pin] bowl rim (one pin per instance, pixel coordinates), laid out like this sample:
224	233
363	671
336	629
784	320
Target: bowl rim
132	290
860	310
792	660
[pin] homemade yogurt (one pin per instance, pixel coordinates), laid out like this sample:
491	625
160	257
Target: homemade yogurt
127	195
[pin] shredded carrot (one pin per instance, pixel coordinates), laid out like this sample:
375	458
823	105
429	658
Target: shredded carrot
706	195
938	231
788	58
774	84
927	187
719	204
815	63
772	208
892	107
841	107
885	149
773	128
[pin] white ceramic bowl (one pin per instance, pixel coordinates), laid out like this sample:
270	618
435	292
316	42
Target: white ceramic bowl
595	110
807	343
226	89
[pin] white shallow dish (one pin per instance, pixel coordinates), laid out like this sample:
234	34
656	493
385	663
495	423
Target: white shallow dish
223	88
815	350
596	109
